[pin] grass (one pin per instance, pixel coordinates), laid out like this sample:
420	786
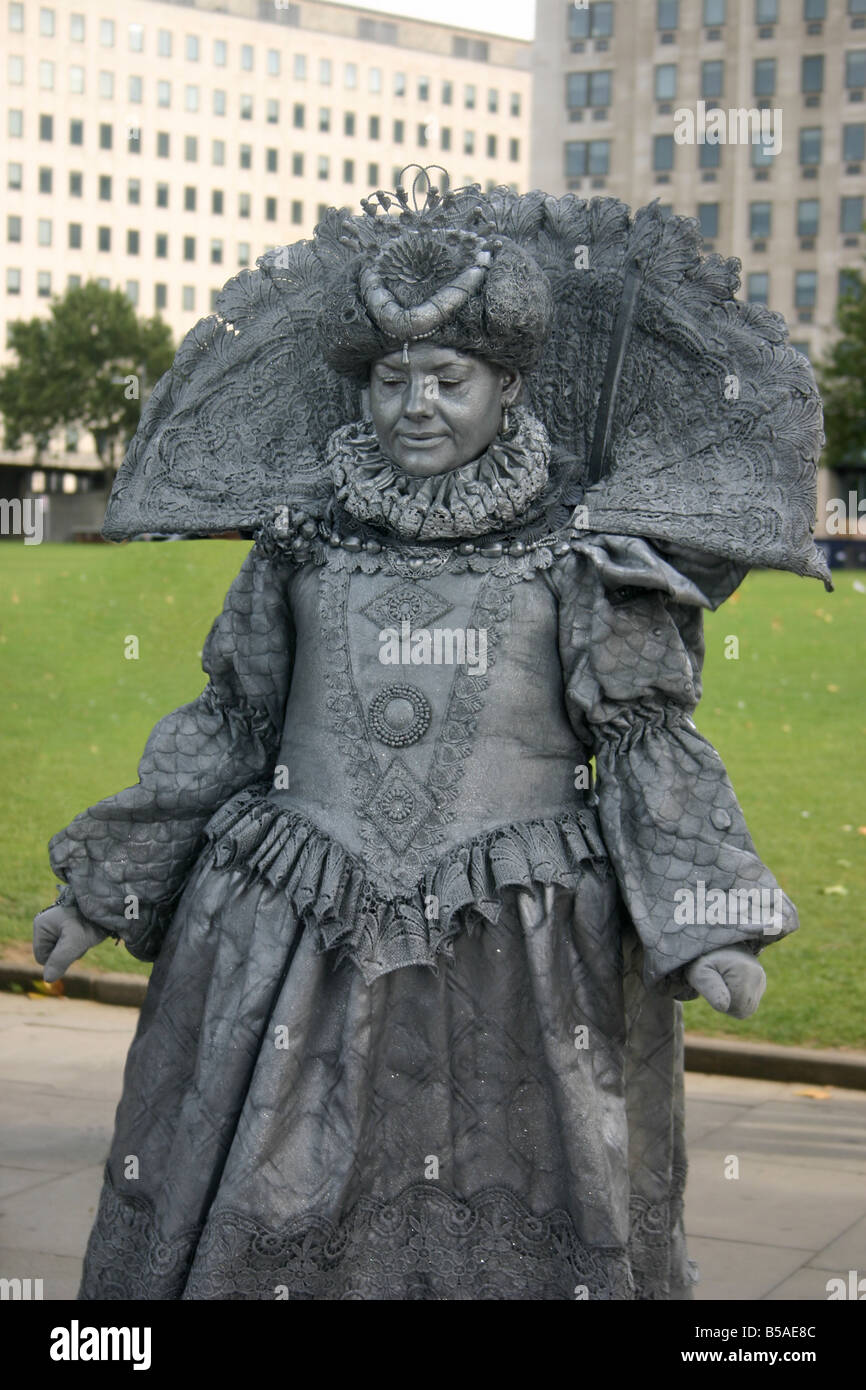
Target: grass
787	717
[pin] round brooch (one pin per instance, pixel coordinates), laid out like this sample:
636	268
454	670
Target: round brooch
399	715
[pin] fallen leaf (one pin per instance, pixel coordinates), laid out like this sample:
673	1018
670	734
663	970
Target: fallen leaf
838	889
815	1092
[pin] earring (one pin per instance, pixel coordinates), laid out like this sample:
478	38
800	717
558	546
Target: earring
505	421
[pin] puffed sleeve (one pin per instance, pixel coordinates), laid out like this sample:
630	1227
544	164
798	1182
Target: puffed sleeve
631	642
125	859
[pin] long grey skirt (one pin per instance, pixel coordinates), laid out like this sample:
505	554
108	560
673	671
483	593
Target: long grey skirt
506	1127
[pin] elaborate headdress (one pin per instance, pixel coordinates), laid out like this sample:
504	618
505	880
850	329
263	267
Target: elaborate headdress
688	415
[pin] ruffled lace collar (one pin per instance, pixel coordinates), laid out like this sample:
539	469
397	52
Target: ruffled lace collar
486	495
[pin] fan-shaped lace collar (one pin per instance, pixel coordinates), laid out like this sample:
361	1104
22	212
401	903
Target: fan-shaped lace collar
485	495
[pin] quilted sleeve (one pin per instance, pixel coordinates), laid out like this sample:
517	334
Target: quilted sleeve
631	641
125	860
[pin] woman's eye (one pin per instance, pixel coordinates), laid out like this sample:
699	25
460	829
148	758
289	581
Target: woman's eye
443	381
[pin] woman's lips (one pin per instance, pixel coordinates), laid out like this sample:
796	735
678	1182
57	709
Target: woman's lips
420	439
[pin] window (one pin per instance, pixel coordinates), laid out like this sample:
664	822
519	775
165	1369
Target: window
190	149
220	57
714	13
16	18
399	132
587	157
712	78
322	166
218	152
808	216
848	283
348	171
855	68
708	220
134	89
76	132
854	142
191	48
216	251
514	150
247	57
243	253
667	14
492	100
15	124
103	238
851	215
373	128
758	287
766	11
372	175
514	104
272	160
588	89
163	43
190	98
709	156
663	153
46	77
399	84
374	80
76	184
590	21
298	165
244	205
349	123
447	93
760	219
762	155
325	72
188	298
421	136
469	97
246	107
273	62
106	33
491	147
163	94
805	289
161	246
297	212
133	242
189	248
445	137
469	142
189	198
350	76
298	116
15	71
270	209
812	73
46	128
764	79
162	195
217	202
13	281
46	23
245	157
272	111
423	88
73	282
136	38
14	175
13	228
105	188
160	296
133	191
666	81
75	235
810	144
163	144
299	67
219	102
324	118
132	291
43	283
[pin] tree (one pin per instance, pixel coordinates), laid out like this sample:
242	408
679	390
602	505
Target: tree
73	368
842	379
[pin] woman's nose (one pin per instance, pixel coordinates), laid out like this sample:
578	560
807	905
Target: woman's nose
418	400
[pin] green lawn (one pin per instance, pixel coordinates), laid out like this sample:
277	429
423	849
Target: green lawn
787	716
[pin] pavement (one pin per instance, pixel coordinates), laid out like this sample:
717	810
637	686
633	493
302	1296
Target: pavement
775	1204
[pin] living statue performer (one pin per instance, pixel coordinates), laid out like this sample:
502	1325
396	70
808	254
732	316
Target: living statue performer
414	868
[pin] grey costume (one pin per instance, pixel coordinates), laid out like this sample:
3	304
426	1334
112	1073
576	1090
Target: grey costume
413	1030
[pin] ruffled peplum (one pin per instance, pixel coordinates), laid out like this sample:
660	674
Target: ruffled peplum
333	892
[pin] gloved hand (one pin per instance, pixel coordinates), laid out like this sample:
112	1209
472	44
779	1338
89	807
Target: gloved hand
730	979
60	937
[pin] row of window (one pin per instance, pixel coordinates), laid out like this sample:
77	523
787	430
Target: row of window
596	88
193	50
596	20
593	156
132	287
426	132
105	240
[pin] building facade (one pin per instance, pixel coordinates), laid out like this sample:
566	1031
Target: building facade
749	115
161	147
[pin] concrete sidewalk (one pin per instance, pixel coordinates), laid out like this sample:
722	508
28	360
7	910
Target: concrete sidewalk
793	1218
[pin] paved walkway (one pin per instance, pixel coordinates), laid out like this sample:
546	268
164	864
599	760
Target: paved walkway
793	1218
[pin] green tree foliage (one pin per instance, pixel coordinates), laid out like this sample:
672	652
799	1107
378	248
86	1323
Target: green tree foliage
72	368
842	380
